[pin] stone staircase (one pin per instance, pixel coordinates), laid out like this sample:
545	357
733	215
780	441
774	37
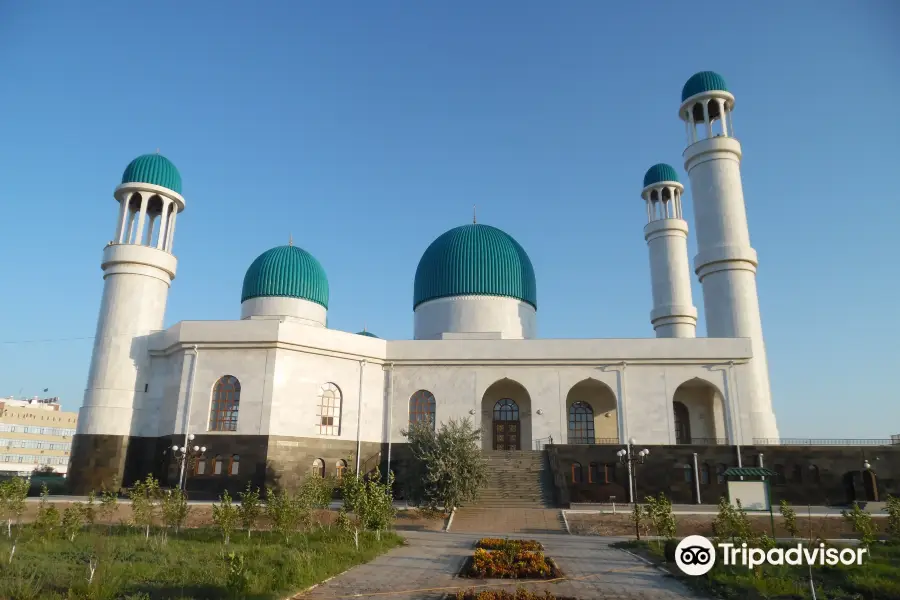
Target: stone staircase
517	479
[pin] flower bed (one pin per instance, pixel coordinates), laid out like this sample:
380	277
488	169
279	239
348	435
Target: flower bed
519	594
500	543
510	563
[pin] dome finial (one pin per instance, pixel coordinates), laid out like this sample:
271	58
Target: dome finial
290	239
474	214
157	150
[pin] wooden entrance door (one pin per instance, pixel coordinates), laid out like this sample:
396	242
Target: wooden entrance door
506	427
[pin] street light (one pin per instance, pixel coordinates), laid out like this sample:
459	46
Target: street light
627	457
183	453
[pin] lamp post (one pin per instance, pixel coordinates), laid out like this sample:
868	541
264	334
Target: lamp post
627	457
182	453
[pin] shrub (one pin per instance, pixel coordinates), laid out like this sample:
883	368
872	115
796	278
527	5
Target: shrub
509	563
893	520
790	518
669	550
519	594
659	510
250	509
225	516
48	517
73	520
175	509
90	509
732	523
451	468
283	511
109	501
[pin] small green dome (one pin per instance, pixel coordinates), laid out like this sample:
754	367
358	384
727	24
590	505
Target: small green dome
658	173
286	271
475	260
367	333
704	81
155	169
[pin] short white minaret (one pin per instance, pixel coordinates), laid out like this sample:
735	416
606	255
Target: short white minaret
138	267
725	262
674	314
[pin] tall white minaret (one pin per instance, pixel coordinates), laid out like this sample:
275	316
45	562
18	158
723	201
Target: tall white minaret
138	267
673	314
725	261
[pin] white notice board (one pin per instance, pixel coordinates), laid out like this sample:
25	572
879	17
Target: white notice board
754	495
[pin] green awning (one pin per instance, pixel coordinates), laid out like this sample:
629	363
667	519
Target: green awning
749	472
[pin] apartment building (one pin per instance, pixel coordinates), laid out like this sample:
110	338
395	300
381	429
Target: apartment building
34	433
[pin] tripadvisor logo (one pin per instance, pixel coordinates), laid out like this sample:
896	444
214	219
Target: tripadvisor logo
696	555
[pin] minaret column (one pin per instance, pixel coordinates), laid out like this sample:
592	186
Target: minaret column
726	262
673	314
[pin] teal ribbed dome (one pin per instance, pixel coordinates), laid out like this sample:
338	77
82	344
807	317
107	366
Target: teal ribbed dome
704	81
367	333
286	271
155	169
658	173
475	260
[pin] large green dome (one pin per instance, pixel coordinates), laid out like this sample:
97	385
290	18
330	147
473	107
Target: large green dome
659	173
704	81
155	169
286	271
475	260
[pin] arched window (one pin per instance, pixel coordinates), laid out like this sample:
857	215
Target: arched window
329	410
339	468
682	423
200	466
611	473
506	410
218	465
688	473
814	473
704	474
581	423
577	474
234	464
797	474
318	468
720	473
594	475
223	414
422	407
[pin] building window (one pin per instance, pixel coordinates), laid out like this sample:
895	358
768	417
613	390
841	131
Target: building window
704	474
594	473
688	473
581	423
779	475
218	465
223	415
797	474
329	410
506	410
720	473
234	464
611	476
340	467
577	475
318	468
422	407
682	423
814	473
200	466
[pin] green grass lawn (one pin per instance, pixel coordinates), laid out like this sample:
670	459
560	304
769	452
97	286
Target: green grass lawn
191	565
877	579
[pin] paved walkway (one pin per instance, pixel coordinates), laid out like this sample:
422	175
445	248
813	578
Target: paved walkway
521	521
426	569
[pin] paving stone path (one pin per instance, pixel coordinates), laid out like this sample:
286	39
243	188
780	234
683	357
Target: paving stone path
426	568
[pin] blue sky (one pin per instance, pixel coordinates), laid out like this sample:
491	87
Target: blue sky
367	129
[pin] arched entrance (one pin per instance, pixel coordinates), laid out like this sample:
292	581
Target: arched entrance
870	485
506	427
698	417
506	416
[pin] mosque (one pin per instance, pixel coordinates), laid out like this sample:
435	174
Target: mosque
275	394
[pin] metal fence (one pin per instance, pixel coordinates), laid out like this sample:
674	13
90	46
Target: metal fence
825	442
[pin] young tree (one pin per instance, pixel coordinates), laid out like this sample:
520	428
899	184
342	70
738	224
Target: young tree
90	509
73	520
13	493
225	516
893	510
638	517
48	517
450	468
144	496
175	509
789	515
109	501
659	509
250	509
861	521
283	510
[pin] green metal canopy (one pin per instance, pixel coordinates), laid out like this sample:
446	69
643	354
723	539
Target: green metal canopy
749	472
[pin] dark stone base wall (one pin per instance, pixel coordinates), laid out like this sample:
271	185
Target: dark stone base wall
291	459
837	477
96	460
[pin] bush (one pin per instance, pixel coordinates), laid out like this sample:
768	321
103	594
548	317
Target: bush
790	518
509	563
225	516
144	495
250	509
861	521
893	510
495	543
47	520
13	493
